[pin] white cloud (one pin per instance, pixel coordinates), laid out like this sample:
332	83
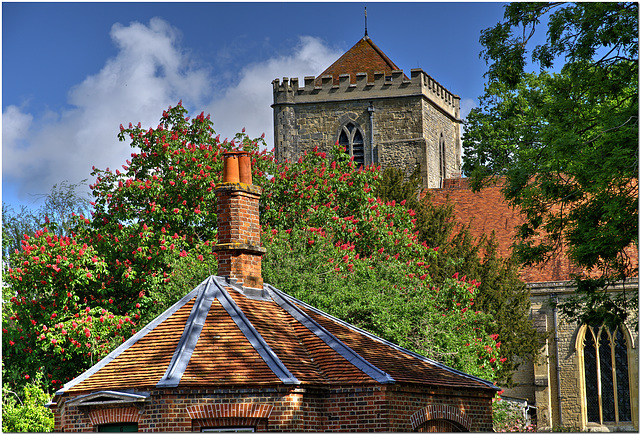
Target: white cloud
466	105
248	104
15	124
150	72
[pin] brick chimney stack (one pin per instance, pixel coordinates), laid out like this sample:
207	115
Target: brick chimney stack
238	246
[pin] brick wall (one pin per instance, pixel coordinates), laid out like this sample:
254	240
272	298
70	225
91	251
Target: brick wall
471	405
304	409
238	245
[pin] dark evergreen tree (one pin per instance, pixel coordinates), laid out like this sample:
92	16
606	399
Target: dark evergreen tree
501	292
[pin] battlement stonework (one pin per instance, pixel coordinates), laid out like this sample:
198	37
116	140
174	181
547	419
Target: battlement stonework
403	122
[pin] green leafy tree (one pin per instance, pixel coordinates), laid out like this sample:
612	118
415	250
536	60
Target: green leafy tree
501	293
149	241
26	411
60	204
14	226
334	244
565	142
73	297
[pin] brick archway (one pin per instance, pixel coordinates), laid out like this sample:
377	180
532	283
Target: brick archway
434	418
104	416
219	415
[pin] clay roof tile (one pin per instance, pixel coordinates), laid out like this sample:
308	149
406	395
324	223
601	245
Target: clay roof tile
364	56
223	334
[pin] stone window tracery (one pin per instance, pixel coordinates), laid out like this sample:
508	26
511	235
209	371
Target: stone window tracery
605	363
352	139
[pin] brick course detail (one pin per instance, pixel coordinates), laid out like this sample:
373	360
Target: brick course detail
381	408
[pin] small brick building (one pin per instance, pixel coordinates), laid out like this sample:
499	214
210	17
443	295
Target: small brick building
238	354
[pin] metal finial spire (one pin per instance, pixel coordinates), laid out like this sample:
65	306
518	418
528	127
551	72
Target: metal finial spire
365	22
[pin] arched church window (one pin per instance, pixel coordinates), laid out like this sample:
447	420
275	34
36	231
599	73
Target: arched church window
353	140
606	375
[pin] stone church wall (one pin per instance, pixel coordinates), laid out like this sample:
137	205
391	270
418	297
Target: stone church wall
410	119
538	382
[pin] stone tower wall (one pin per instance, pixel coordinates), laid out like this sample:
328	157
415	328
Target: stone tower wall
410	118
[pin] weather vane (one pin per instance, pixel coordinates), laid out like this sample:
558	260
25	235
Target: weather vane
365	22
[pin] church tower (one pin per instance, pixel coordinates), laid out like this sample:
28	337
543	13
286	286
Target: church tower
365	102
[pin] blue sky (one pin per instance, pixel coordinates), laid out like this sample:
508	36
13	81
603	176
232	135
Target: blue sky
73	72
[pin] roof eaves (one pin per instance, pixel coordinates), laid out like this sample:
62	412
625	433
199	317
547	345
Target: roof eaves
129	342
385	342
110	397
285	301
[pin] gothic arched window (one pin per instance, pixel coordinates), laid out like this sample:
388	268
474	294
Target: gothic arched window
605	359
353	140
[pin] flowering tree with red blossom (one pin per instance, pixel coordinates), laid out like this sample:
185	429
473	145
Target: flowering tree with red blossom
62	316
333	243
149	241
162	205
73	298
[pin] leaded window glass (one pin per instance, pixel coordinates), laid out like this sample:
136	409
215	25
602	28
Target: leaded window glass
606	375
622	379
591	378
352	139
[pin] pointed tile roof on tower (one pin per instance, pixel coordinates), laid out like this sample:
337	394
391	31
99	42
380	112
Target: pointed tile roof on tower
364	56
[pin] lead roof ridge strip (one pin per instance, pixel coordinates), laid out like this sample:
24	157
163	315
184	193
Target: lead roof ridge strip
383	341
190	335
253	336
332	341
130	342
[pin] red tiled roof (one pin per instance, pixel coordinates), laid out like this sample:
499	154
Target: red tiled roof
221	334
364	56
486	211
155	347
401	364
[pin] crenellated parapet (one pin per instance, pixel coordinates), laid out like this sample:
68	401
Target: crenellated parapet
381	85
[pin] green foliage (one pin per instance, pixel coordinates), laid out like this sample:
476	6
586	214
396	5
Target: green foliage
62	315
564	144
56	213
14	226
382	295
501	294
333	243
25	412
187	272
392	186
74	297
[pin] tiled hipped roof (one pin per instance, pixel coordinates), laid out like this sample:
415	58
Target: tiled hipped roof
221	334
364	56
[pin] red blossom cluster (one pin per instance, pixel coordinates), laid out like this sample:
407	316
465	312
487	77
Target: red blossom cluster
80	295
